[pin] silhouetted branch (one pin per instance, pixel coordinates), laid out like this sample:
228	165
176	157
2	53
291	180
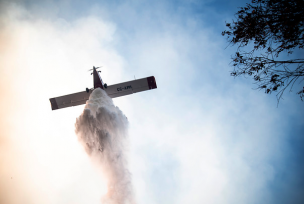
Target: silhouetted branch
273	26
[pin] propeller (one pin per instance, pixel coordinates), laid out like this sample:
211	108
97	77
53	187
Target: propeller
95	68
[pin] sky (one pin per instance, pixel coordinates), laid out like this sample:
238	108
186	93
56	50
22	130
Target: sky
201	137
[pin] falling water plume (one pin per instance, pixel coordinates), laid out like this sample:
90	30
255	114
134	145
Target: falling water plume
102	129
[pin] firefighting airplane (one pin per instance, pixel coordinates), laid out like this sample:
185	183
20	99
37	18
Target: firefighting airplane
113	91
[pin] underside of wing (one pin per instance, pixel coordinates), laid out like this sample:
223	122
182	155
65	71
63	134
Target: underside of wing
113	91
70	100
131	87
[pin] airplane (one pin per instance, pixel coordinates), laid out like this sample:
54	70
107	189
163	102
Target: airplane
113	91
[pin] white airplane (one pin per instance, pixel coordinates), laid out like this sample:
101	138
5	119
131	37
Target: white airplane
113	91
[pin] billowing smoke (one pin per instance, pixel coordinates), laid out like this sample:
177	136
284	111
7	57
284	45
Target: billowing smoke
102	129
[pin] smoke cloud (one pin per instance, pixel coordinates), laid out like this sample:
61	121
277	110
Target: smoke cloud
102	128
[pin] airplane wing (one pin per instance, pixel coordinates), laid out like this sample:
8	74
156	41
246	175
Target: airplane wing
70	100
131	87
113	91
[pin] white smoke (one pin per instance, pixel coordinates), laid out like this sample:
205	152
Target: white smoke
102	129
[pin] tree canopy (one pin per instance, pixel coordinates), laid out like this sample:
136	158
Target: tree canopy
269	28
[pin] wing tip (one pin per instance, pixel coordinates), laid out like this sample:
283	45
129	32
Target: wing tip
54	104
151	82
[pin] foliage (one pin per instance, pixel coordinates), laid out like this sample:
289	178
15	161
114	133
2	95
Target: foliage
274	27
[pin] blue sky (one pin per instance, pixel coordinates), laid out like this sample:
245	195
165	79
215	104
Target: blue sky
201	137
